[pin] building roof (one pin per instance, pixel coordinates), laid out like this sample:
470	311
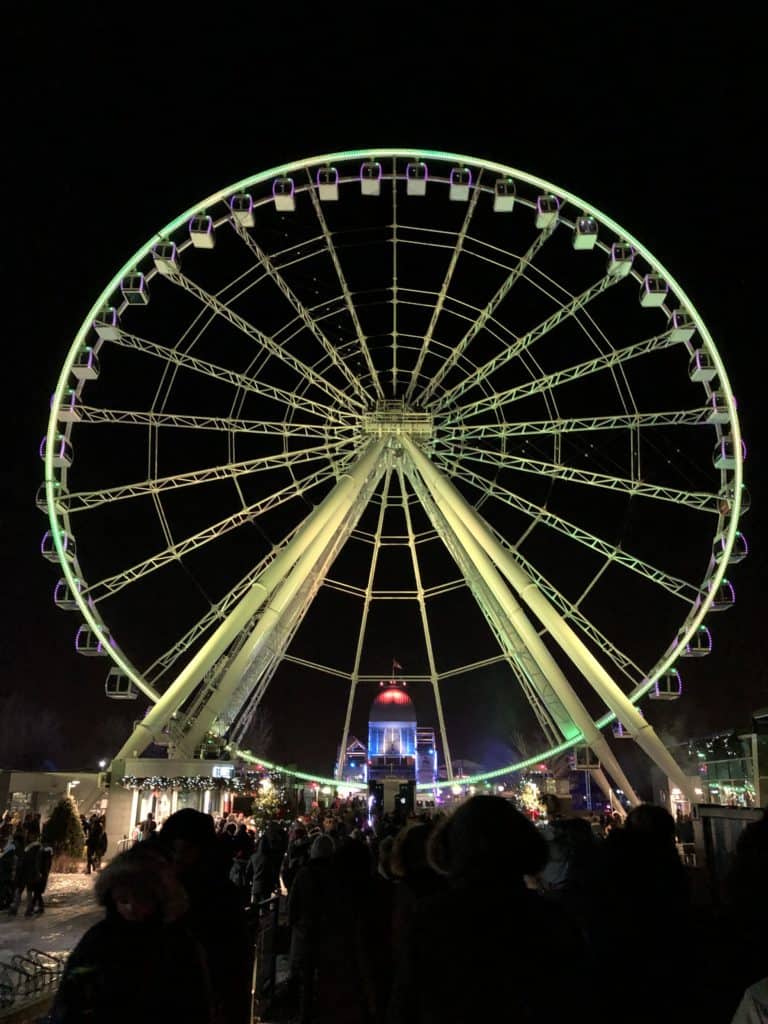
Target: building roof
392	704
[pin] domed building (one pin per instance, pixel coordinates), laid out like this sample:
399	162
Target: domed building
398	748
392	734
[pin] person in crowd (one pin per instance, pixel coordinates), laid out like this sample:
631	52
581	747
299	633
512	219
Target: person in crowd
147	827
216	917
485	850
10	858
565	878
140	962
95	844
414	876
263	872
638	882
32	870
313	917
296	856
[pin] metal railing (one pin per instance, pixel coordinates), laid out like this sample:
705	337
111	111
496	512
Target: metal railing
29	975
265	920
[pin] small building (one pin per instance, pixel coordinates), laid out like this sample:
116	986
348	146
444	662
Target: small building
37	792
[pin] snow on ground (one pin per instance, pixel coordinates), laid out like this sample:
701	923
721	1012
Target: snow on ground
70	910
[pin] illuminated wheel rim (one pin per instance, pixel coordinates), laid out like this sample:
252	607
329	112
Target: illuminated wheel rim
573	393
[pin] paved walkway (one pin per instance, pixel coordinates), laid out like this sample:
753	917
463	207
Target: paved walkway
70	910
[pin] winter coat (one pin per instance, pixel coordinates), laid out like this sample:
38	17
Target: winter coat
122	972
34	867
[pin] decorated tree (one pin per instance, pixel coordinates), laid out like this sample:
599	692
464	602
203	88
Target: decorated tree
64	832
269	803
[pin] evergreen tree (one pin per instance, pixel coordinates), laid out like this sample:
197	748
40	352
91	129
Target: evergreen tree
64	831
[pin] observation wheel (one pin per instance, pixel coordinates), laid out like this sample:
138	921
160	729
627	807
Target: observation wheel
381	398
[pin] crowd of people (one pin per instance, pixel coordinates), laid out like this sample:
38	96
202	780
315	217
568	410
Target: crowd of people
476	915
25	864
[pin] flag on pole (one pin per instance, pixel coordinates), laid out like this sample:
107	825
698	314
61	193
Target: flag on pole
396	665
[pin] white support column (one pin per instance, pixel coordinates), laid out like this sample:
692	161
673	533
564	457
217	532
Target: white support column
599	776
277	608
334	505
528	635
607	689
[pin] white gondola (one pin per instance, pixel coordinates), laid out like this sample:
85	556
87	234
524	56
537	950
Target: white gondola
68	410
584	233
717	408
725	596
118	686
241	208
327	184
106	324
201	231
62	451
739	551
63	597
48	548
166	258
134	289
284	195
41	500
370	178
700	644
585	759
680	326
701	367
89	643
504	193
724	455
620	260
85	365
547	210
460	184
653	291
669	686
416	175
726	496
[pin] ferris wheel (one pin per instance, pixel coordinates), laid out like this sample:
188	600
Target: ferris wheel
394	389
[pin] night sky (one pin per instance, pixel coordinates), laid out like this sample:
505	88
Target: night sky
113	125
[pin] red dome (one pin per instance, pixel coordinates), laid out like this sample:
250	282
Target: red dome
392	704
393	696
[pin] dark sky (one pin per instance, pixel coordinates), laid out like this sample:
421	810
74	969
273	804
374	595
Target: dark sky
115	124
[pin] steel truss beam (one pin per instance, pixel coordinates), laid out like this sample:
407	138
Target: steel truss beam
681	588
225	424
555	692
635	488
485	315
472	529
604	362
324	518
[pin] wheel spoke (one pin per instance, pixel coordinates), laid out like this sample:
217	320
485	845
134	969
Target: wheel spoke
301	310
238	380
416	371
521	345
676	586
484	316
112	584
77	501
361	339
692	499
227	424
553	380
268	344
579	424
